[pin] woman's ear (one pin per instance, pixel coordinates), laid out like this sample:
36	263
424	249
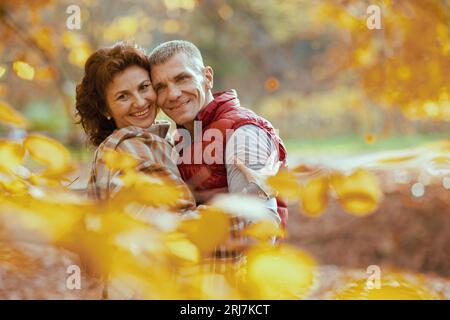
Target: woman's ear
106	115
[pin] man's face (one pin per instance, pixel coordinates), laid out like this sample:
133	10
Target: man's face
183	87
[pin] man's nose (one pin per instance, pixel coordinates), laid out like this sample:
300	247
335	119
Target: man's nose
174	92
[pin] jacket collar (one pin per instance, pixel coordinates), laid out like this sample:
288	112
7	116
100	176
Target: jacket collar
208	113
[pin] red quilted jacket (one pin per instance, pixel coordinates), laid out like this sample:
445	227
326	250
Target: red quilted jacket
223	113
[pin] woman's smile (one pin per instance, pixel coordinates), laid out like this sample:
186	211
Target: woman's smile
141	114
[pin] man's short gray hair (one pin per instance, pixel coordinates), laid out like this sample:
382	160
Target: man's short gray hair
163	52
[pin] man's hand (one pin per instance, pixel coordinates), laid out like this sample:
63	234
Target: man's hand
206	195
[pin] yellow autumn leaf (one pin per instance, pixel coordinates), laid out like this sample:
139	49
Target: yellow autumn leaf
122	28
51	221
180	4
40	179
79	55
369	138
44	39
358	193
438	165
14	187
10	116
210	229
94	249
47	151
441	160
264	230
146	189
314	196
11	155
2	70
119	160
279	272
59	174
286	184
46	73
180	247
303	168
398	159
23	70
115	222
392	286
207	284
71	39
134	277
365	56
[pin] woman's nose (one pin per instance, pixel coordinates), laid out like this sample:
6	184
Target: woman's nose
140	101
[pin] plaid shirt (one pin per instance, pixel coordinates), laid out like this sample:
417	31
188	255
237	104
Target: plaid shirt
149	146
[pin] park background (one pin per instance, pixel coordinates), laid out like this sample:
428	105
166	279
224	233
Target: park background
341	94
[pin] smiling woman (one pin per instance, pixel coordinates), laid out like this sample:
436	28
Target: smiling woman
115	87
131	99
116	106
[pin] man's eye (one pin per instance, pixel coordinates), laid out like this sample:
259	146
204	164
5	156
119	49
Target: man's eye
145	86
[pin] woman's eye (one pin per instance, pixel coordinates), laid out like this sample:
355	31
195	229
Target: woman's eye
122	97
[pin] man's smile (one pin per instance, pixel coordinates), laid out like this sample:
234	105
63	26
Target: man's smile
179	105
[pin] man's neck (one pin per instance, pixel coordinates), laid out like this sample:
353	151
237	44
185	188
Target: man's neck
190	125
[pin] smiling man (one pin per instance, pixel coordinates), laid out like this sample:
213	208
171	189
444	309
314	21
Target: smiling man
250	146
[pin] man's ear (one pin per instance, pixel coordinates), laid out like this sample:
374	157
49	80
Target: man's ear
209	77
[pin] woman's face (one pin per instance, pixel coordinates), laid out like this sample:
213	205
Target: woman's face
131	98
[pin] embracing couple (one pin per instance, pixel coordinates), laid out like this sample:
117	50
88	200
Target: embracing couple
120	96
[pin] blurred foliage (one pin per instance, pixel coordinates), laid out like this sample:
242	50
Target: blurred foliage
137	242
394	68
306	64
311	67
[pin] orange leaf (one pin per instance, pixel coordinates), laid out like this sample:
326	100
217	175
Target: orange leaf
210	229
10	116
23	70
359	193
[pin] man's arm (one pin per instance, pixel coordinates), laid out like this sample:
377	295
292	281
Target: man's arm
251	155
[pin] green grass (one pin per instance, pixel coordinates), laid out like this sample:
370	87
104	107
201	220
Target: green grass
356	144
340	145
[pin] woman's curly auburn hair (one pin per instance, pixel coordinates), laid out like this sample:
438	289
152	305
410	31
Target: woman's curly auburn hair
100	69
